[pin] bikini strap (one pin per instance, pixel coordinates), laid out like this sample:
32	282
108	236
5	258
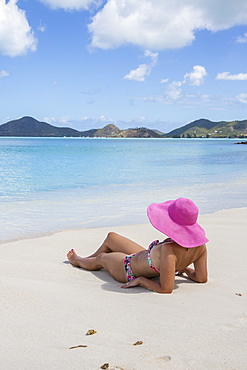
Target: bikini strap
155	242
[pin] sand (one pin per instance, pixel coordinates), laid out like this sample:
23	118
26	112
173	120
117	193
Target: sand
47	306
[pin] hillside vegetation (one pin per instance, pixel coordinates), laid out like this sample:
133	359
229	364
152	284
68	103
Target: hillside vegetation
202	128
206	128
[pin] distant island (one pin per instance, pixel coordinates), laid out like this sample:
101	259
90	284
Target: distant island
202	128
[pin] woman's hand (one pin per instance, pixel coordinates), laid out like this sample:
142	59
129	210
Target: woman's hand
131	284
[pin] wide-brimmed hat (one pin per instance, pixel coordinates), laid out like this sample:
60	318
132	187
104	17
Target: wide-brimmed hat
178	220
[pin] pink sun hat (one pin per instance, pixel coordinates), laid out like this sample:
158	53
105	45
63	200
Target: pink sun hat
178	220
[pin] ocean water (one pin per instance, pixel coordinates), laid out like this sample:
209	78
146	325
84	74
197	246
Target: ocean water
52	184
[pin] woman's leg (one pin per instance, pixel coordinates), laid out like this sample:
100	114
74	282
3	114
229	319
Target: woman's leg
112	262
117	243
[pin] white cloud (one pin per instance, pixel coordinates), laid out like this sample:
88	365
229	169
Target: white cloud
164	80
175	96
242	98
4	73
70	4
196	77
106	119
162	24
153	56
50	120
65	120
227	76
16	36
41	27
242	39
140	73
174	90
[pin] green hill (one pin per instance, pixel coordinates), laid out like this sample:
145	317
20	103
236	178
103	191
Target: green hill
206	128
108	131
113	131
30	127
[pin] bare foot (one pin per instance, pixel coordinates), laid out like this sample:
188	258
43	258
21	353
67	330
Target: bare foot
87	263
73	258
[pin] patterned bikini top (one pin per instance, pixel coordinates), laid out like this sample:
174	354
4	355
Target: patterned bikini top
155	242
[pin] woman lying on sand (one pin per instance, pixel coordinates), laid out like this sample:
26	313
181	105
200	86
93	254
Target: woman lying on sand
133	265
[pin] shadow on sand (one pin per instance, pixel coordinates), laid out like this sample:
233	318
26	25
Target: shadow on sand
111	285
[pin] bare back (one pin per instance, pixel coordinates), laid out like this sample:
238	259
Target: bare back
183	257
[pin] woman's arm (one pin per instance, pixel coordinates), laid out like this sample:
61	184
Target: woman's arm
199	274
146	283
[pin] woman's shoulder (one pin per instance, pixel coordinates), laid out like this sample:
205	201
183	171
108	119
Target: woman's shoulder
168	247
202	247
173	247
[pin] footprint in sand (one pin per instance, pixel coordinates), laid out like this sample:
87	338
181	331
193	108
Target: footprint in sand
164	358
239	323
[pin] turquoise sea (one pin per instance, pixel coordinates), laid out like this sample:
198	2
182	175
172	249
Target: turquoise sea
52	184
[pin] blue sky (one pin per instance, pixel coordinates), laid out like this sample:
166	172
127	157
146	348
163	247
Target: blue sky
152	63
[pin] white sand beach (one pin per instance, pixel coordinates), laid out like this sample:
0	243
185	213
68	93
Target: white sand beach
47	306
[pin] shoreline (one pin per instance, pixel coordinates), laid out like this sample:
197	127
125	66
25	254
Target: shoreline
81	229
